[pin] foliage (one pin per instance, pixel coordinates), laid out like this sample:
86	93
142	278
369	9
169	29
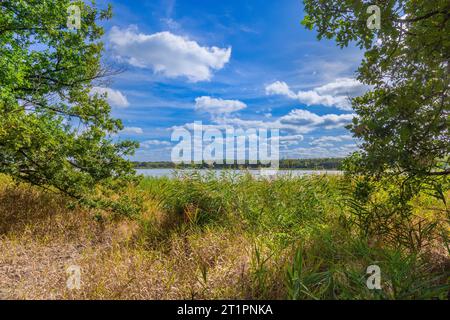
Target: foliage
403	120
299	244
53	132
316	164
259	204
304	236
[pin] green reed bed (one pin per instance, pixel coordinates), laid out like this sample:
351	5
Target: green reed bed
305	242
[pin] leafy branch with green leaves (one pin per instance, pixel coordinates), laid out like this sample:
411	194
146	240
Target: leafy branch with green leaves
403	121
54	132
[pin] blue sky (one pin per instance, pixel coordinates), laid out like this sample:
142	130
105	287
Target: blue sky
248	64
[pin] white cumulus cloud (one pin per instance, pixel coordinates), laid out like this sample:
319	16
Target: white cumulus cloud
218	106
149	143
114	97
331	139
299	117
296	122
135	130
168	54
333	94
280	88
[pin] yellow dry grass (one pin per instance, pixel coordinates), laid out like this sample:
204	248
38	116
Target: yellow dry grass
40	238
164	254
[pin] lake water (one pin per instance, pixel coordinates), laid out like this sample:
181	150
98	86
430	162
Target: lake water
256	173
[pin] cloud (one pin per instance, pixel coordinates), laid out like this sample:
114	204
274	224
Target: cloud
298	121
218	106
114	97
134	130
343	86
280	88
327	139
168	54
289	140
305	118
149	143
333	94
320	151
171	23
313	98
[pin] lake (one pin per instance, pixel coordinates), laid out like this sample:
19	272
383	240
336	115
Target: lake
157	173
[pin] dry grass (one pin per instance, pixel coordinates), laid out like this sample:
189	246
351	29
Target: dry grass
240	250
40	238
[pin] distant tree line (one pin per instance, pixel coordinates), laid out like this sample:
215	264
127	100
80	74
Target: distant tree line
311	164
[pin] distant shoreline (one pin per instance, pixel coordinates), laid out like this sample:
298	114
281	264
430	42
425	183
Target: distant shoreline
285	164
240	169
174	172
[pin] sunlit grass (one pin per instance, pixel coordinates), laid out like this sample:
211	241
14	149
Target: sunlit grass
202	237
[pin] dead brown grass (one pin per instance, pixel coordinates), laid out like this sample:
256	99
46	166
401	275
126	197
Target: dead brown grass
40	238
166	254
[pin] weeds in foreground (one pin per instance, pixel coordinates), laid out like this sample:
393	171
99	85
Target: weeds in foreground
200	237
